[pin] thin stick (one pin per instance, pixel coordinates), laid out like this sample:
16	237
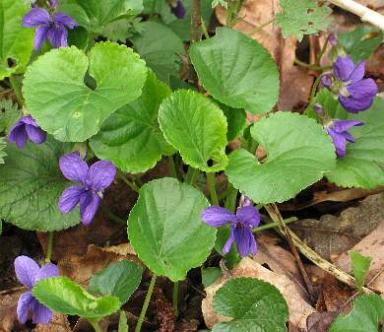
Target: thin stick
146	303
365	14
196	21
262	228
130	184
274	212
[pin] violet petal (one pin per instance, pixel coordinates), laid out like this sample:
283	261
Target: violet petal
73	167
65	20
47	271
40	36
339	142
217	216
35	134
89	203
343	67
344	125
101	174
57	36
358	72
70	198
26	270
41	314
36	17
24	306
245	241
248	215
228	244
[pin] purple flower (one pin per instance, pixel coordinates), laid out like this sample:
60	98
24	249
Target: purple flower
24	129
92	181
242	222
28	272
179	9
52	27
356	94
338	130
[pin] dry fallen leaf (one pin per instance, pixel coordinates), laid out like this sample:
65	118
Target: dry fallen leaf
332	235
299	309
59	323
8	304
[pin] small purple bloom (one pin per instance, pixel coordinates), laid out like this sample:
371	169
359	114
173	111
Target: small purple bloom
92	181
242	222
24	129
52	27
338	130
28	272
356	94
178	10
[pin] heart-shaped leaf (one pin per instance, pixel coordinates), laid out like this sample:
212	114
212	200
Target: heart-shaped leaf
131	137
62	295
119	279
30	186
197	128
293	142
253	304
237	71
16	42
167	216
70	95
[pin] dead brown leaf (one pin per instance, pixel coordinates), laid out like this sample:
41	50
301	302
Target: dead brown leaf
299	309
59	323
8	304
332	235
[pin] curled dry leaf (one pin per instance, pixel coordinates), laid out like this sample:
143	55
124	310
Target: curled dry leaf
295	84
299	309
59	323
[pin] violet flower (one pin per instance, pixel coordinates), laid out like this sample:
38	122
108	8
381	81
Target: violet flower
49	26
355	93
242	222
179	9
338	131
28	272
92	181
26	129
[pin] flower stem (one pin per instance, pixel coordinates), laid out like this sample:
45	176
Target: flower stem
130	184
204	28
196	21
95	325
112	216
175	298
16	86
314	89
172	167
48	256
146	303
309	66
211	180
273	225
191	175
230	202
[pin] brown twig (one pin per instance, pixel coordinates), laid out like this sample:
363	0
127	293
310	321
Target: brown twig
196	21
275	215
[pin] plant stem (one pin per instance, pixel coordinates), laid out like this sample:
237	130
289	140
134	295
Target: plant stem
230	202
112	216
191	175
130	184
273	225
175	298
309	66
16	86
146	303
172	167
49	247
95	325
261	26
314	89
196	21
211	180
204	28
322	51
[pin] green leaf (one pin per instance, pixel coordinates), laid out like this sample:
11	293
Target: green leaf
360	267
161	48
237	122
2	152
9	113
131	137
30	186
361	42
253	304
119	279
62	295
68	108
302	17
96	15
237	71
210	275
293	142
363	165
367	312
197	128
167	216
16	42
